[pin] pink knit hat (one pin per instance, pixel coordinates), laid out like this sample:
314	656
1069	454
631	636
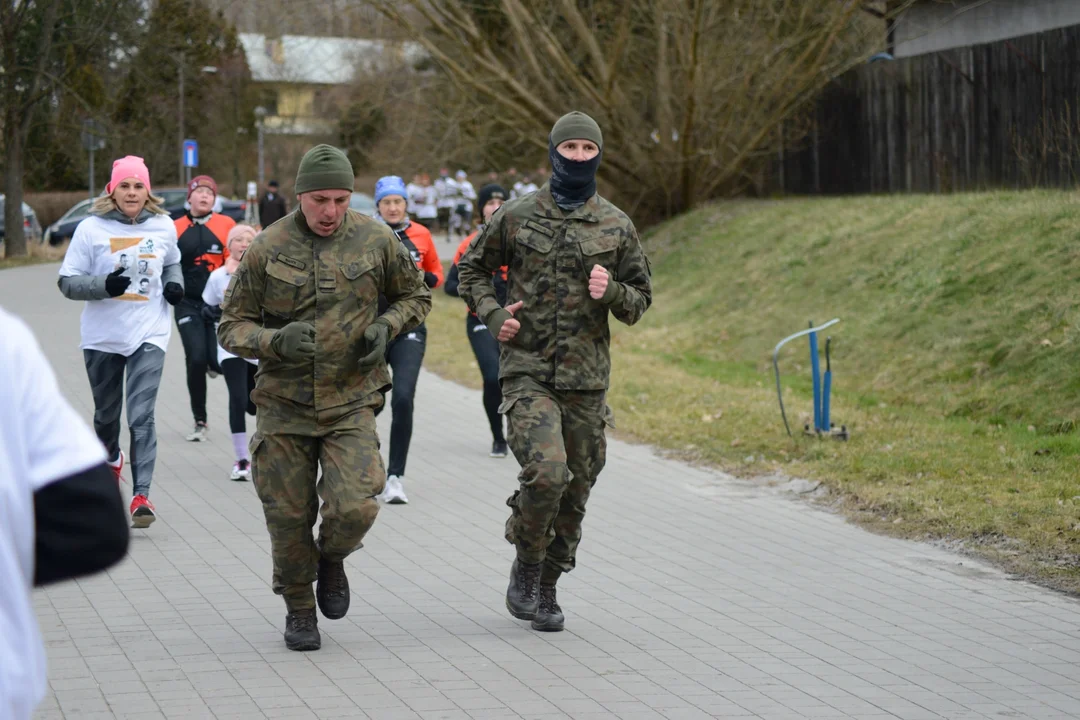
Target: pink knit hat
127	167
238	231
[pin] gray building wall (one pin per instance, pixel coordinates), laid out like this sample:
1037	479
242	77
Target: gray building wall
934	25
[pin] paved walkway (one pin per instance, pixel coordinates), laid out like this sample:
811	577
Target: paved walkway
697	596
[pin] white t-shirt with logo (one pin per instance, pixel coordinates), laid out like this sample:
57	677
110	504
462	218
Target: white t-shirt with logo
42	439
100	246
214	294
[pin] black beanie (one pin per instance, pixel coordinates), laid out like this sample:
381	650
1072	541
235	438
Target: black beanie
489	191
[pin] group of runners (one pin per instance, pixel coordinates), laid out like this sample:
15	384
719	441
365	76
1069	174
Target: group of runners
317	320
447	205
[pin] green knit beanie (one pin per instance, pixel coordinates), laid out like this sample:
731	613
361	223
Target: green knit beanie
324	167
576	126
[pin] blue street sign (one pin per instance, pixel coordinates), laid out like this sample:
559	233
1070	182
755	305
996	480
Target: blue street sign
191	154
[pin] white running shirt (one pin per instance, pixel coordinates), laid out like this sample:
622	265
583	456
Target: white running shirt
122	324
214	294
42	439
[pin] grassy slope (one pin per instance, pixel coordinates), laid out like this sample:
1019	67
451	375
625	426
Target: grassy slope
956	363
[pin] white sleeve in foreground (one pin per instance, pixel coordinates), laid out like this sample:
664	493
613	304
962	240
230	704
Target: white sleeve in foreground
58	441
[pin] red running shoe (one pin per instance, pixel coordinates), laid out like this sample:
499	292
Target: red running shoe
142	512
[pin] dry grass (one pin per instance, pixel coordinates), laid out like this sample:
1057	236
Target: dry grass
955	364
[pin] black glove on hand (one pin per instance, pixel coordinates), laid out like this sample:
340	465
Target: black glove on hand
431	279
295	341
375	339
173	292
210	313
115	283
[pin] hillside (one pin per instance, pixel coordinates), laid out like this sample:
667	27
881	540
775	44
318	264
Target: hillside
956	361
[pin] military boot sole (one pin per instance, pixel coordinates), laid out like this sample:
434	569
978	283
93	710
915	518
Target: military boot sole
520	614
336	614
548	624
304	644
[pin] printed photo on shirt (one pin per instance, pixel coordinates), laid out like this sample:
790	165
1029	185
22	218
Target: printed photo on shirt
125	263
144	267
144	286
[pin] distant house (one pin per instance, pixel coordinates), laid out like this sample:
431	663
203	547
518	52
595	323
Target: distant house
934	25
296	75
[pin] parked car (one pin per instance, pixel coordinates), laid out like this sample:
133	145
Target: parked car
31	226
175	200
236	209
362	202
63	229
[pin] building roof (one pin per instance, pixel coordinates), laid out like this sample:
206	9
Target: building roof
309	60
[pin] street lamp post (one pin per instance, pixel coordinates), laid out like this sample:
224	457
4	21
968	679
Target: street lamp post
210	69
260	115
180	139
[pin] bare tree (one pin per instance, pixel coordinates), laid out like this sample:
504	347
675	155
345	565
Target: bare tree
691	94
27	29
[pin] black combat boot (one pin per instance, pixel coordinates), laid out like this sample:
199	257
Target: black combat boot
332	592
521	597
549	617
302	630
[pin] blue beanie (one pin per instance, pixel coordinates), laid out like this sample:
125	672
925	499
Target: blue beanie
390	185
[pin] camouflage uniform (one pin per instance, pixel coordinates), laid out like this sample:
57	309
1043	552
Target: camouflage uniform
321	412
555	372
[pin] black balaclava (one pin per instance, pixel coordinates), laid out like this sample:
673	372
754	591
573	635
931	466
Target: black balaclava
573	182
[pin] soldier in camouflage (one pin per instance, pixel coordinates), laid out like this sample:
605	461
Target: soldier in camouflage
572	258
304	302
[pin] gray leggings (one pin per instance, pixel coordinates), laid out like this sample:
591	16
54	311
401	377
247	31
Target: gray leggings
106	373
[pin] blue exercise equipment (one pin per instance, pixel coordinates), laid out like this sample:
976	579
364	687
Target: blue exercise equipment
822	423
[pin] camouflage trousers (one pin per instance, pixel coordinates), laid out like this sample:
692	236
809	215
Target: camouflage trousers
558	439
292	441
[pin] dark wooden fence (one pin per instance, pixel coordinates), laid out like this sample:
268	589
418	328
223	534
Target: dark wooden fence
1000	115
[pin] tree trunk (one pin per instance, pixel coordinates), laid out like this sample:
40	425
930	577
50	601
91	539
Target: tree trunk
14	237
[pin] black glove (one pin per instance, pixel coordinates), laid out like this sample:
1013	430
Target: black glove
210	313
431	279
375	339
295	341
173	292
115	283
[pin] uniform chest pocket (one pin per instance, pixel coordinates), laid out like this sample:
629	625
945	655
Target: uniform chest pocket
364	276
603	251
281	293
535	241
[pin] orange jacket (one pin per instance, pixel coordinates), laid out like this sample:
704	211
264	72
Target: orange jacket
202	250
424	253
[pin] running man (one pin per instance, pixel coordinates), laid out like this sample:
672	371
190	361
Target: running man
573	258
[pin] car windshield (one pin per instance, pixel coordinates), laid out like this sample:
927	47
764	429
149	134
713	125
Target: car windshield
362	203
174	197
77	212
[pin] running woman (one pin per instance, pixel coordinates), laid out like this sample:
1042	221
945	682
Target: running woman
484	346
239	372
201	235
405	353
123	330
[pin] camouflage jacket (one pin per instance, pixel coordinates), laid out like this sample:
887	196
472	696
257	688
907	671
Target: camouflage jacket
291	274
549	254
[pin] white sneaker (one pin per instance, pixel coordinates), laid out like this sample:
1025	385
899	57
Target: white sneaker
394	492
198	434
241	470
